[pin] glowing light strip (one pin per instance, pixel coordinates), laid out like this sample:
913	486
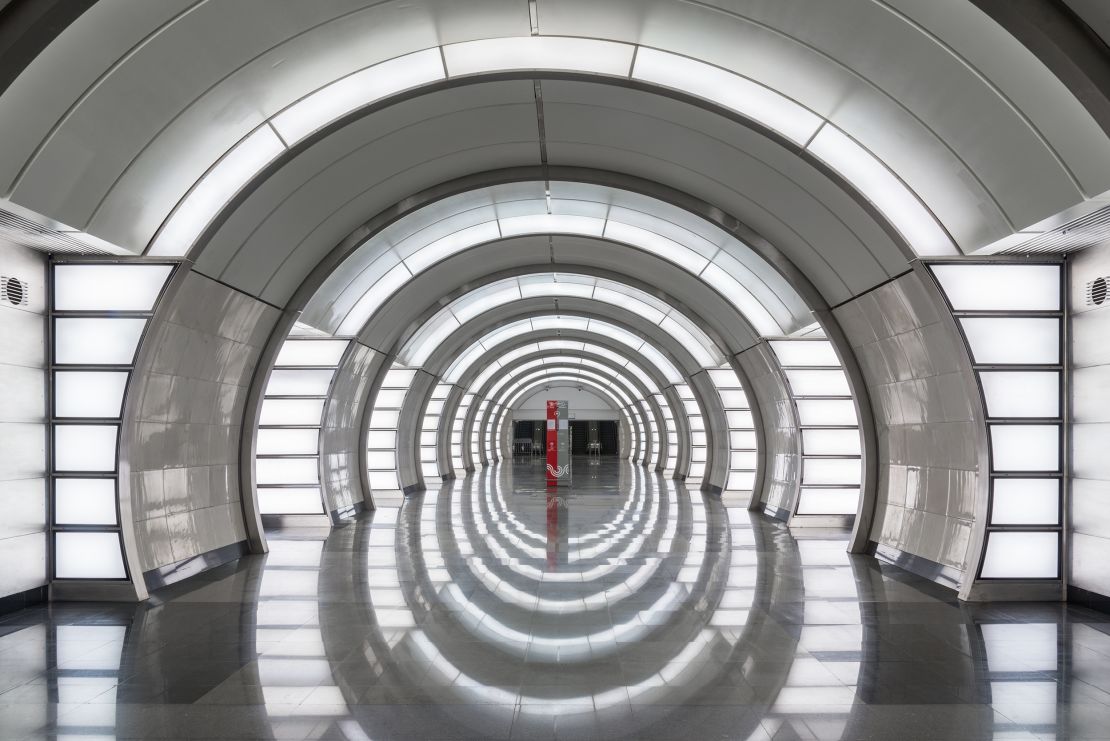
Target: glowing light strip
463	363
433	332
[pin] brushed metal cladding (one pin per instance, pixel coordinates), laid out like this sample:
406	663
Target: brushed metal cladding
186	426
781	456
1088	521
23	485
408	430
928	418
341	475
1095	14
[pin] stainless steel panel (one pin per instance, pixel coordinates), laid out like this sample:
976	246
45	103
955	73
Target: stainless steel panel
1089	556
23	503
29	553
24	451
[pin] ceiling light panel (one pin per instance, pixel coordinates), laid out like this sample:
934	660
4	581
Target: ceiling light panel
750	99
214	190
358	90
538	53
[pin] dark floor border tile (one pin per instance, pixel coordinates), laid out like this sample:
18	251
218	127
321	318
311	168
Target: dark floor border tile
27	598
777	513
1088	599
172	573
946	576
341	515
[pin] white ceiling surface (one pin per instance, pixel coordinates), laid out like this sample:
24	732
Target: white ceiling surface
113	123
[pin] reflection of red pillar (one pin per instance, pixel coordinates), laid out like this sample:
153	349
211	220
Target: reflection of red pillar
552	530
552	443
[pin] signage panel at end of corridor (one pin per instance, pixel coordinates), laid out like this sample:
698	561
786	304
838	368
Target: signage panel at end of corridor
558	443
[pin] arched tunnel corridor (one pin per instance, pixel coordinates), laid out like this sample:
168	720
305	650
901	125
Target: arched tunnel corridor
554	369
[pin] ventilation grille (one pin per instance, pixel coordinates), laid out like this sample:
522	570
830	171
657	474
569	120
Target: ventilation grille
1096	291
18	230
13	291
1071	237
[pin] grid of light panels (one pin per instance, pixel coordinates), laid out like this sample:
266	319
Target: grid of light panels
743	449
699	442
429	433
458	463
287	449
832	468
98	314
382	440
1011	316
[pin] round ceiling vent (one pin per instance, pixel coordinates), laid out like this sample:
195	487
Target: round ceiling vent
1096	292
14	291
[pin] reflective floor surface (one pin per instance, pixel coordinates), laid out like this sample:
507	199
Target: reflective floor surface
622	607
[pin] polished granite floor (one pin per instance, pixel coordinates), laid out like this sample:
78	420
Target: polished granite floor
622	607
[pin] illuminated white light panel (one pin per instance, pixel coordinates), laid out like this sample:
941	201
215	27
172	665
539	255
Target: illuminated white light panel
1011	314
108	287
93	355
831	448
287	446
381	462
88	555
1021	555
429	433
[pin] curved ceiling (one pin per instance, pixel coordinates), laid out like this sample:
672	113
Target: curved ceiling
385	263
501	295
633	345
840	132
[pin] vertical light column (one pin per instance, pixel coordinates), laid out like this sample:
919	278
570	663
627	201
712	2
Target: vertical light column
656	451
699	452
832	467
99	312
1011	318
457	461
498	434
667	457
493	448
287	450
381	441
475	434
641	440
429	427
743	456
